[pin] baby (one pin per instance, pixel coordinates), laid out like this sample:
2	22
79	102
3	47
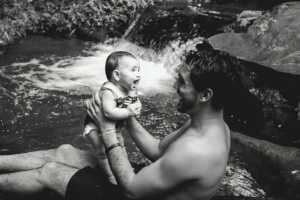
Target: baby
117	95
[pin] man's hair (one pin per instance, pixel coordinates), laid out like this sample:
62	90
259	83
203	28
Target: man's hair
112	61
215	70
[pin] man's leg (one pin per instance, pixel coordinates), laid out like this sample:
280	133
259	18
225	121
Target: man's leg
65	154
52	175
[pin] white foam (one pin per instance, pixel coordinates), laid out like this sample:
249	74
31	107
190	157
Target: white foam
75	73
81	73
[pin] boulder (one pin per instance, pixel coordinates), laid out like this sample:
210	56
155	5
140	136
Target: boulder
275	168
273	40
244	20
270	53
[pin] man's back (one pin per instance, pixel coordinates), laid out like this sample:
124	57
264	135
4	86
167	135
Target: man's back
200	154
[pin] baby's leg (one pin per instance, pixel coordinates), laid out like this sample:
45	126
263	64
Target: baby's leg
96	142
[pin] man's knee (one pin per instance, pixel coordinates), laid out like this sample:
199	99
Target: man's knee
49	168
56	176
63	151
47	171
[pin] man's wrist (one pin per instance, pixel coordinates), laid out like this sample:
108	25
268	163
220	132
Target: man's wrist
109	138
112	147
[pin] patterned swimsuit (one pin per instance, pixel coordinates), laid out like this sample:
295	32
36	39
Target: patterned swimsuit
120	124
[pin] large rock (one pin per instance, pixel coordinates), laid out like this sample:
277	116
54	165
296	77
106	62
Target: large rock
270	52
275	168
273	40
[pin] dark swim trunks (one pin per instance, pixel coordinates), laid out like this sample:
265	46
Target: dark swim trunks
92	184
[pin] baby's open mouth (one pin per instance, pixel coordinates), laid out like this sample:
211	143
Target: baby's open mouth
136	82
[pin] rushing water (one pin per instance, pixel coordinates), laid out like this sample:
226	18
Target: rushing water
44	82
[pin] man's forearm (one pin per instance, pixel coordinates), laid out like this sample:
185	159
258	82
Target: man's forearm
144	140
119	163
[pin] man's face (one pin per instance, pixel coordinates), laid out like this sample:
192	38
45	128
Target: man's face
185	89
129	69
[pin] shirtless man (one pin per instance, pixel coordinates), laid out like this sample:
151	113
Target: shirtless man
188	164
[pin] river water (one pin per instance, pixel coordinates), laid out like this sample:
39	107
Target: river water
44	82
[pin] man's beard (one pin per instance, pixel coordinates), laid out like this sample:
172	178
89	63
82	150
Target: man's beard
183	106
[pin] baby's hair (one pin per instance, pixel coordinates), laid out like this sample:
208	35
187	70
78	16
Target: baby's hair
113	60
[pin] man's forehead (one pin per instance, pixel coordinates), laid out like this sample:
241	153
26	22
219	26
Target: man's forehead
183	67
182	71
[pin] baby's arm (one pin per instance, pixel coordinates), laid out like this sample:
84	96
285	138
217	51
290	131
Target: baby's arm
110	109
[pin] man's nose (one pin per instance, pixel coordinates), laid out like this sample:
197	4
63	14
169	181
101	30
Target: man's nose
176	85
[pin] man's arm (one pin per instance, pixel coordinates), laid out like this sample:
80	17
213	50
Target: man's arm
160	177
144	140
151	147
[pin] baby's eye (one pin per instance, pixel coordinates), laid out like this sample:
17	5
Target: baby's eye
133	70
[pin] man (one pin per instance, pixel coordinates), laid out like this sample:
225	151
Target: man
188	164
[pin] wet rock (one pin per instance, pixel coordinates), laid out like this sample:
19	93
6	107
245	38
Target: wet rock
275	168
244	20
270	53
161	24
236	198
271	41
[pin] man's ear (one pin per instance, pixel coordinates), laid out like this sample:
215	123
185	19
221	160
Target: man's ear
116	75
206	95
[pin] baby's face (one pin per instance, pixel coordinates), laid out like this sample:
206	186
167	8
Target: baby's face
129	69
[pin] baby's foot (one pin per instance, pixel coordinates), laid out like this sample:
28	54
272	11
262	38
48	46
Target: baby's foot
112	179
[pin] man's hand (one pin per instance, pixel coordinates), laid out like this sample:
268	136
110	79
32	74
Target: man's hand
134	109
94	109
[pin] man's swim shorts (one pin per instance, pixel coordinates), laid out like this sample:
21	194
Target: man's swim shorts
92	184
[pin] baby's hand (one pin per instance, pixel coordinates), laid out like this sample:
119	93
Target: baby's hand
134	109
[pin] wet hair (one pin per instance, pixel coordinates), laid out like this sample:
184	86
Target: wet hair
112	61
215	70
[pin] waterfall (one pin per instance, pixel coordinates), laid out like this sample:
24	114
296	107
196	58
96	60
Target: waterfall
131	25
85	74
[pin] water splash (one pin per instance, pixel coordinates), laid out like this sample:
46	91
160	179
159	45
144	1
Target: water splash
131	26
86	74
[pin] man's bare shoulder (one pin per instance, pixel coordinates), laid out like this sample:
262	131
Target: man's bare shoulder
201	151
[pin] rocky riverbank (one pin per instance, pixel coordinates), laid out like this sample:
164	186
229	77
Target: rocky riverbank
88	20
269	50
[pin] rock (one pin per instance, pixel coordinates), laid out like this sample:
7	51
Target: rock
275	168
270	53
249	14
236	198
271	41
244	20
161	24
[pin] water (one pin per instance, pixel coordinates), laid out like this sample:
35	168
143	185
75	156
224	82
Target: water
44	82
